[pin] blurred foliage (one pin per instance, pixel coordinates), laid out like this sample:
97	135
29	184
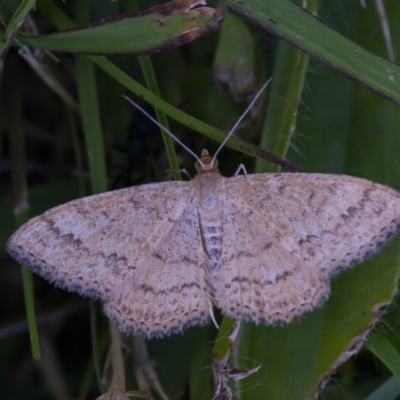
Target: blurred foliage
335	126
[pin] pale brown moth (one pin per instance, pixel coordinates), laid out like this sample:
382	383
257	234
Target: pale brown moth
261	247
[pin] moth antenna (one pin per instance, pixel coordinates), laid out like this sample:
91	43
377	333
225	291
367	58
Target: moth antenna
163	128
241	118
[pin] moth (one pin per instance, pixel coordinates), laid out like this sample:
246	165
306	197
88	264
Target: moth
261	247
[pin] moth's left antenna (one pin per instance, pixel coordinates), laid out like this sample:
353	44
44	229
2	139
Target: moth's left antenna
163	128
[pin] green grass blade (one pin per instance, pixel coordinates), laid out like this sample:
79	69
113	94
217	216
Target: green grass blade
14	25
30	306
19	16
91	120
19	185
157	29
88	101
151	82
284	98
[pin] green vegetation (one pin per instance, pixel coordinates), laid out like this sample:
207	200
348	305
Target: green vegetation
67	132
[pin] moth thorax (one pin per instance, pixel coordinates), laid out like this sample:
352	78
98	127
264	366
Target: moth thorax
207	163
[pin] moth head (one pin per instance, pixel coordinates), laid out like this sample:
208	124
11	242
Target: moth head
206	162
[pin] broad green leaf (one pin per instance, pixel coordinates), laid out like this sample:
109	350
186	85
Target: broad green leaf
201	385
298	359
379	345
390	390
293	24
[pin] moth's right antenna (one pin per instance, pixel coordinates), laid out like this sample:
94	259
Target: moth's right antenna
241	118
